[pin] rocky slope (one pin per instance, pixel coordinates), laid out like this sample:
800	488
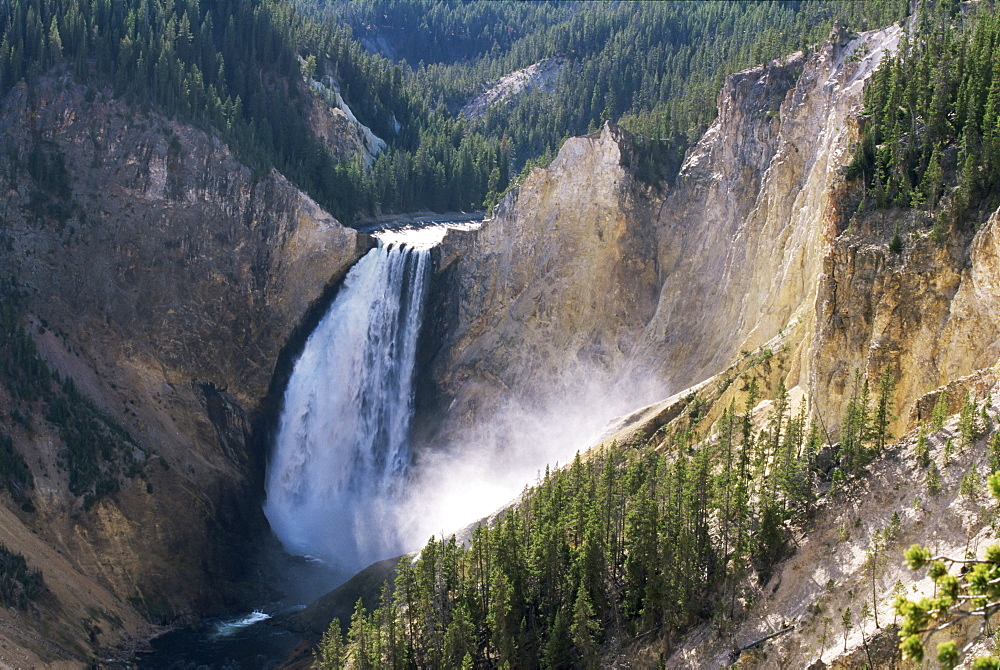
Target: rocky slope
864	522
165	279
589	274
541	75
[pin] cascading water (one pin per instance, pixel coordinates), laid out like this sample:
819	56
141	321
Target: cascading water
342	449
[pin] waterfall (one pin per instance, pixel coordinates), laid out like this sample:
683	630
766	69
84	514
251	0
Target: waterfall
342	450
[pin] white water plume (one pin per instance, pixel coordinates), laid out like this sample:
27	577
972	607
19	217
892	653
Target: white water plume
342	485
490	463
342	446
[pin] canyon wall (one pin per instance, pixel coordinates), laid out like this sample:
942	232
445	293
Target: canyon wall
587	271
553	290
588	276
758	245
165	278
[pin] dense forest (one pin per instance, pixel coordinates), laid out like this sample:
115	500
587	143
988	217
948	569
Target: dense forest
651	539
932	134
631	540
237	68
656	67
247	69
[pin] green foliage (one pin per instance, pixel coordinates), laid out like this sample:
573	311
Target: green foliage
993	482
933	479
22	369
329	654
655	68
971	483
865	427
875	562
994	451
896	243
51	194
15	474
970	424
970	588
233	66
932	137
249	68
96	450
940	412
947	655
18	583
626	540
883	412
922	449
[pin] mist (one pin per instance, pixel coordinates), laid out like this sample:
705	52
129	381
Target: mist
490	463
345	485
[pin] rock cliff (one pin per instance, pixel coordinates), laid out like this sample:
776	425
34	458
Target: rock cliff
927	313
555	289
587	272
165	279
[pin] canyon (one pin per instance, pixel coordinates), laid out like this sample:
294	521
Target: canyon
168	292
178	286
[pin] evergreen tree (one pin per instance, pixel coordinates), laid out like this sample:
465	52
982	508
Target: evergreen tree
584	629
330	652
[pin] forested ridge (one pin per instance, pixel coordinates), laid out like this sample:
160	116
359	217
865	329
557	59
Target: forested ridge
931	137
238	68
654	67
631	540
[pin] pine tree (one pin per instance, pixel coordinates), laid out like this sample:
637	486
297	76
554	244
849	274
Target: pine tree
846	622
584	629
922	449
459	639
362	643
940	411
558	649
883	409
969	421
329	654
856	428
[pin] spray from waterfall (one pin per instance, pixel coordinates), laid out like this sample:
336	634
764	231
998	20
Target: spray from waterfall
342	445
342	485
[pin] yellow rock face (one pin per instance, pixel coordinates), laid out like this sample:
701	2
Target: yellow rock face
585	273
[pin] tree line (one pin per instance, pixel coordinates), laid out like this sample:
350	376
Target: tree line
243	68
648	539
656	68
237	67
932	130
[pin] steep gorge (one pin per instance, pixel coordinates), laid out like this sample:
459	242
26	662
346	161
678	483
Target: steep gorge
165	279
588	272
170	294
755	246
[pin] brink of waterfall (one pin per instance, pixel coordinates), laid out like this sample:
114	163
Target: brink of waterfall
342	449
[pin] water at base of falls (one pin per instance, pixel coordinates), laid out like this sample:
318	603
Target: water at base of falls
248	641
342	447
